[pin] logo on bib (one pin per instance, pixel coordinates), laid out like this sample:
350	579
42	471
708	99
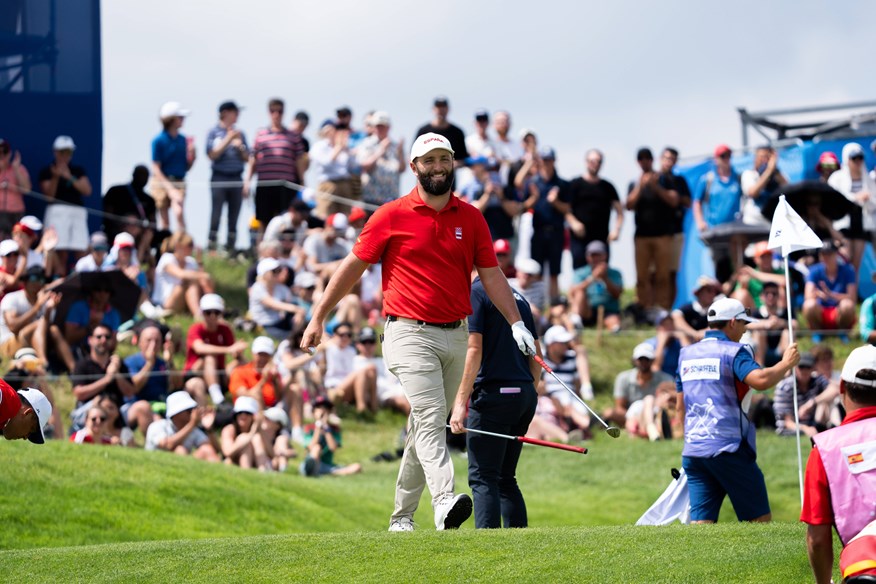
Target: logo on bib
694	369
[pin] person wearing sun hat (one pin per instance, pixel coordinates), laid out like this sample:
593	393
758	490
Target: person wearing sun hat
841	479
714	379
180	432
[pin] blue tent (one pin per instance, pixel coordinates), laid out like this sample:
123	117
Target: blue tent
797	162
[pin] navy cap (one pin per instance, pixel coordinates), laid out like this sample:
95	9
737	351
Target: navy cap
229	105
547	153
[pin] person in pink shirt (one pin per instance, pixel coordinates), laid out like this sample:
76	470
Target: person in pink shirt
14	182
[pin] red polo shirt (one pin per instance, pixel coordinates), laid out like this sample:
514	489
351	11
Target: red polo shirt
817	509
427	256
10	403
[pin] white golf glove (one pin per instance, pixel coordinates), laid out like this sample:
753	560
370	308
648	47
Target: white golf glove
524	338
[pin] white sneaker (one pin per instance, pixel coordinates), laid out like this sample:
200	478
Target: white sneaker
402	524
452	511
298	435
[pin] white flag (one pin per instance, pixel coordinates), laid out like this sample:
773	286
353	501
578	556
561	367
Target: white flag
789	232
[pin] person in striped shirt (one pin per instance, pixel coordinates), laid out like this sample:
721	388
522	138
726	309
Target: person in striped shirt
280	160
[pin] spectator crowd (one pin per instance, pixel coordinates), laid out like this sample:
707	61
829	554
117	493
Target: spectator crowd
69	297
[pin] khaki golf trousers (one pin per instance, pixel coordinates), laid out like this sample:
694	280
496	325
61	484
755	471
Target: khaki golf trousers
428	362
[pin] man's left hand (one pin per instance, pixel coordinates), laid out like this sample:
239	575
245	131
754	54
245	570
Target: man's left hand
524	338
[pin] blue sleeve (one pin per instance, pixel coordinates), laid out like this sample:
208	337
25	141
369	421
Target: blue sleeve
112	319
209	144
581	274
814	274
701	188
849	275
616	277
743	364
867	319
479	304
157	150
678	387
78	313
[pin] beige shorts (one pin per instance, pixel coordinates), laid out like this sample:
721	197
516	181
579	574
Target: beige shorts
9	347
159	192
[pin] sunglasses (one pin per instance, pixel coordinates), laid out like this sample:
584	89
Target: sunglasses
97	419
725	156
368	342
857	157
211	313
101	336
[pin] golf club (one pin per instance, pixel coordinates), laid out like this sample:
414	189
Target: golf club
610	430
534	441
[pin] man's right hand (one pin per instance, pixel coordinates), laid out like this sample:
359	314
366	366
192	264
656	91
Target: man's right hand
312	336
457	419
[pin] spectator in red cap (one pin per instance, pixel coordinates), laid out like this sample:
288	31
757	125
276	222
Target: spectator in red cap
828	164
506	259
716	201
14	182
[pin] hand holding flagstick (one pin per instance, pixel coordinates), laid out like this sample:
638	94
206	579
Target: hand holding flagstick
790	233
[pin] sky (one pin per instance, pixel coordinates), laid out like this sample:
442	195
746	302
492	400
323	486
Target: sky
608	75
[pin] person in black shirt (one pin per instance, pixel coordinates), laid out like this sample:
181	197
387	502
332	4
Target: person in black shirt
131	209
669	180
592	199
496	394
440	125
654	207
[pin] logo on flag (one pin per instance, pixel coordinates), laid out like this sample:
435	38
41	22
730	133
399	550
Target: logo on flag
459	233
789	232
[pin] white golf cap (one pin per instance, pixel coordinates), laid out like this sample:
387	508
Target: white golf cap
178	402
380	118
25	354
861	358
43	409
558	334
526	132
305	279
428	142
246	405
276	414
31	223
211	302
124	239
8	246
727	309
63	143
643	350
266	265
172	109
338	221
263	345
528	266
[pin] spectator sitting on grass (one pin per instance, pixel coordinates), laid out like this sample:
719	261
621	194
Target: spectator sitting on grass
89	312
571	366
208	344
770	333
271	303
180	280
243	444
667	344
831	294
275	429
301	377
101	370
810	384
634	384
26	233
343	381
96	258
115	427
93	432
180	432
548	423
595	285
325	250
9	254
389	390
691	318
748	282
322	439
651	417
259	378
530	283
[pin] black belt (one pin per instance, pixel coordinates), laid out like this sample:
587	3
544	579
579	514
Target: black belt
443	325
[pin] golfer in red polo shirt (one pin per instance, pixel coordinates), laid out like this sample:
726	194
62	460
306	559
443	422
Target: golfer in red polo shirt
428	241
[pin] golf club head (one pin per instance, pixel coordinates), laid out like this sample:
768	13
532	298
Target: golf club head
612	431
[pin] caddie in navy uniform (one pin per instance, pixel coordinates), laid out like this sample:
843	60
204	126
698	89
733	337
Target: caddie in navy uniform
714	379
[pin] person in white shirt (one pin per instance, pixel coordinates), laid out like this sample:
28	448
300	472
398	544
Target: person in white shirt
96	260
343	381
389	389
179	280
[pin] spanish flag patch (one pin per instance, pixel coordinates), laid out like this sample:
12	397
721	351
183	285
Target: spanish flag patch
855	458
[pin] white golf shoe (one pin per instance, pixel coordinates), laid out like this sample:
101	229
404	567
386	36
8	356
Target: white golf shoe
452	511
402	524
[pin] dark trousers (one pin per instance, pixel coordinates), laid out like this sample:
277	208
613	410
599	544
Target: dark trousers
546	245
233	197
492	462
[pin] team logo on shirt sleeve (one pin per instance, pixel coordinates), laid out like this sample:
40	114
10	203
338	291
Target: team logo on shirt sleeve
458	232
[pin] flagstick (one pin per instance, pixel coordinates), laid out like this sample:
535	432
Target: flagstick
794	375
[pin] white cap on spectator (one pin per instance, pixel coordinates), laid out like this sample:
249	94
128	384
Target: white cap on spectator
25	354
643	350
263	345
305	279
8	246
266	265
727	309
558	334
178	402
211	302
526	132
861	358
246	405
428	142
528	266
124	239
276	414
43	409
31	223
380	118
64	143
338	221
172	109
